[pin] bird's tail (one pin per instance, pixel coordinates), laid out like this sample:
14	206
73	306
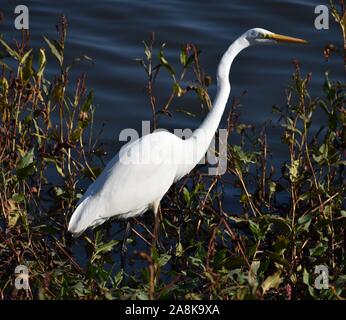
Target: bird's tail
85	216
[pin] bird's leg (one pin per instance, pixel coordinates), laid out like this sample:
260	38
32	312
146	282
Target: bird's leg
124	244
157	211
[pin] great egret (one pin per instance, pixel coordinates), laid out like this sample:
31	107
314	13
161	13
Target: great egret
137	178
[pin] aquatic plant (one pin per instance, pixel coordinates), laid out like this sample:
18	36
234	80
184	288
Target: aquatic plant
290	218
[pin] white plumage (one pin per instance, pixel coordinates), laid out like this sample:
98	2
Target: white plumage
137	178
133	182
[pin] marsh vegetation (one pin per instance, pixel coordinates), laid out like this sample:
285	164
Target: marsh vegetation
290	218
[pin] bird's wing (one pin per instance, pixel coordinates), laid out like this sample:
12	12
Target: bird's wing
131	182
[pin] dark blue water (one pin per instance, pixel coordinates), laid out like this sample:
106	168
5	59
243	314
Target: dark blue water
111	33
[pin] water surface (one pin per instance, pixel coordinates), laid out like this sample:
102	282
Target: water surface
111	33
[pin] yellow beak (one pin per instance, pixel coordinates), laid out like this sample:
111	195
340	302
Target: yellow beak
282	38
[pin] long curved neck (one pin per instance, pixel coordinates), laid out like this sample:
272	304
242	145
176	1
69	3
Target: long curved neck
202	137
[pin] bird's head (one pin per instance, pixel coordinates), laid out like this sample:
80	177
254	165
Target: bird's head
262	36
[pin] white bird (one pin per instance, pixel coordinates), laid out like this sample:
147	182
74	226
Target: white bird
137	178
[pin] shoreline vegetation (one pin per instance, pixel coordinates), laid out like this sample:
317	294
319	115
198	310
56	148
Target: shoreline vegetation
291	217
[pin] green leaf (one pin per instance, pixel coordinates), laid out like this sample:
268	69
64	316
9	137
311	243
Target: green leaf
324	107
18	197
88	103
179	250
187	196
56	50
27	71
163	259
10	51
142	295
255	229
183	56
108	295
193	296
192	58
252	277
327	86
119	277
245	157
25	57
79	289
147	51
77	60
272	282
58	191
283	224
278	258
178	90
304	222
281	244
306	277
42	61
165	63
26	160
104	248
272	188
318	250
13	215
220	258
